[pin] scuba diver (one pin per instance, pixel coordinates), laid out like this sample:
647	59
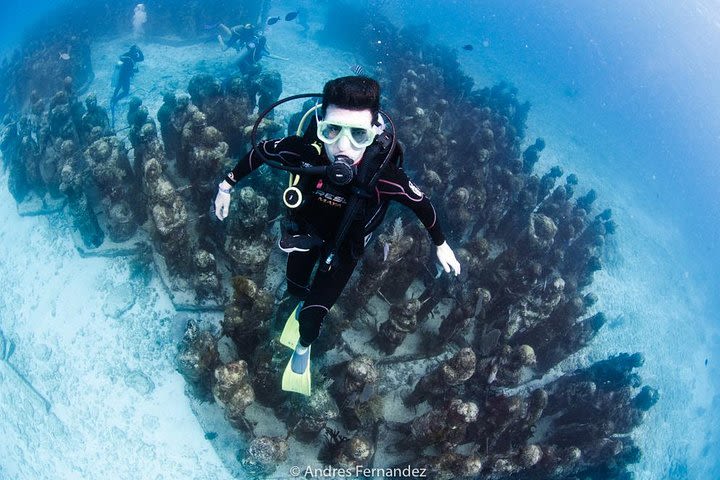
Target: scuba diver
239	36
344	170
124	70
254	50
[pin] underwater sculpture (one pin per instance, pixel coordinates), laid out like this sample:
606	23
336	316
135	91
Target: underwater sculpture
95	121
72	184
112	173
529	245
263	455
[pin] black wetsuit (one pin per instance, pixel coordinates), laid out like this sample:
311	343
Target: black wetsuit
127	69
255	49
321	215
239	37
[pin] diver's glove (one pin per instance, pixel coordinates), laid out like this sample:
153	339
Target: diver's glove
222	200
447	258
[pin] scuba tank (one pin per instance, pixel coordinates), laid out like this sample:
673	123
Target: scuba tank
116	74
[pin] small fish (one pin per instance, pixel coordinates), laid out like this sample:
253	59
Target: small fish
291	16
386	251
358	69
706	362
211	435
64	56
273	20
468	47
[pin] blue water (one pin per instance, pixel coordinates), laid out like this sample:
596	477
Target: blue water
643	80
625	94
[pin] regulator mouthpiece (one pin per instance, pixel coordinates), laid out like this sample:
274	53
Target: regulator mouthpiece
341	172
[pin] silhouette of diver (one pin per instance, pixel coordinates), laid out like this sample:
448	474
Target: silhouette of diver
239	35
254	50
124	70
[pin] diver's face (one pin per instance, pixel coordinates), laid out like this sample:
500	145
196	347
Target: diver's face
343	146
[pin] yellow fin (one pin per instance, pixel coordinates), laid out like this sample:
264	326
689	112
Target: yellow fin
296	382
291	332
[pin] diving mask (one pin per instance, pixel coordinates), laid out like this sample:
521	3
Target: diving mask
329	132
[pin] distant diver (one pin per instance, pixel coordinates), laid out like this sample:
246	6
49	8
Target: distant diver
344	170
139	20
252	53
238	36
125	68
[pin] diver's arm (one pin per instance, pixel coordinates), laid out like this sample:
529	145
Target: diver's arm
276	57
289	151
397	186
247	164
267	53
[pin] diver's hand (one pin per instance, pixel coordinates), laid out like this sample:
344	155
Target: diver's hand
447	258
222	200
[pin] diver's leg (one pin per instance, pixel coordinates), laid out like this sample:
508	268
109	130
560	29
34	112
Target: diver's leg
115	93
225	29
244	58
324	292
299	268
122	89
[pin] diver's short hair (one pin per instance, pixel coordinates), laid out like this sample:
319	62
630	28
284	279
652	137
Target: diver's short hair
352	93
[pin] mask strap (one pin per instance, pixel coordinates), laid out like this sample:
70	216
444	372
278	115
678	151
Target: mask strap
318	106
379	126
